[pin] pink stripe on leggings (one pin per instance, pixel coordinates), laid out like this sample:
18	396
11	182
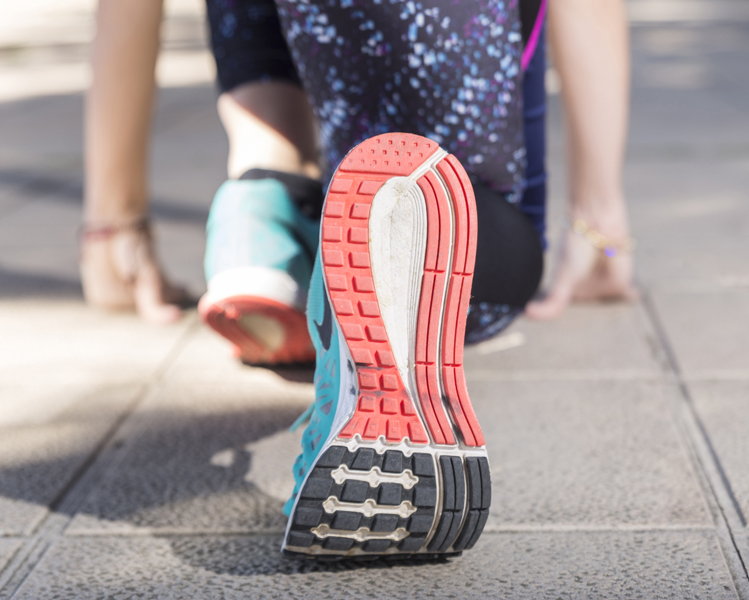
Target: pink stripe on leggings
530	49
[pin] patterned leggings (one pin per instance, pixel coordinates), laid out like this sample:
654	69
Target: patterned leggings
449	70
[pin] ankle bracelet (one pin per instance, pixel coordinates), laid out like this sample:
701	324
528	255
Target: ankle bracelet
89	232
609	246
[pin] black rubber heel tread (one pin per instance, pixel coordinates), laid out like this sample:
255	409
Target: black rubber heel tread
420	523
448	483
479	486
297	538
452	532
412	544
350	521
320	485
333	457
317	488
385	523
390	493
363	460
453	498
376	545
354	491
423	464
483	516
443	528
425	496
393	462
338	544
460	484
307	516
474	483
466	534
486	483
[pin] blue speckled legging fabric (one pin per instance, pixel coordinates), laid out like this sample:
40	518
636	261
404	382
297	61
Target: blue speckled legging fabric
445	69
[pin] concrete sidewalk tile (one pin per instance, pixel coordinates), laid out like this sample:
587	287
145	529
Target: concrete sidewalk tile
8	547
47	433
42	133
682	565
680	203
669	116
585	454
66	341
211	457
706	266
593	338
708	332
207	358
723	407
47	225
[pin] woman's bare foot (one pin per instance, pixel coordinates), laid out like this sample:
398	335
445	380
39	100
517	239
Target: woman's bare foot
119	270
586	274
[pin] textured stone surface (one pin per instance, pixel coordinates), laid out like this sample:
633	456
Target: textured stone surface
585	454
8	547
534	566
47	433
207	358
64	342
608	339
210	457
708	332
723	407
692	237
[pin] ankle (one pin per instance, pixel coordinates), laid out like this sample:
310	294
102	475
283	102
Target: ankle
608	217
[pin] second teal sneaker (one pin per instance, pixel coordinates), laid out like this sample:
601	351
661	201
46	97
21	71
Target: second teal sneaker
393	460
259	252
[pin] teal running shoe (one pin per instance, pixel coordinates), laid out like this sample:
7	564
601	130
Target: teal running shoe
259	253
393	460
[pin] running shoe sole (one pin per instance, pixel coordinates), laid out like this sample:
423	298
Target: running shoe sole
263	331
404	471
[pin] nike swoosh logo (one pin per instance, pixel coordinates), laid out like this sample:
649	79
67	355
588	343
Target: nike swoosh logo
325	329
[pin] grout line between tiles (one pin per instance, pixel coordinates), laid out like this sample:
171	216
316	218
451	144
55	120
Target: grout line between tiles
715	486
64	507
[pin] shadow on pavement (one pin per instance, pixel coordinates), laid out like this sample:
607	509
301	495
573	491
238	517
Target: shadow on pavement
17	284
260	555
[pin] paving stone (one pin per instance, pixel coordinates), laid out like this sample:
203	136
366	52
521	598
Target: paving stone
623	565
47	433
208	457
679	203
48	341
708	332
723	408
608	340
585	454
207	358
8	547
691	236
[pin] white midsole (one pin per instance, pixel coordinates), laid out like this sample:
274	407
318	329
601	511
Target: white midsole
262	282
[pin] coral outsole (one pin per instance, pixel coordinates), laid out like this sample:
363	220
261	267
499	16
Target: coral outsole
225	317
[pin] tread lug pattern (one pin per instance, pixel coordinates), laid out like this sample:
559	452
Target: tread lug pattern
461	487
310	513
479	499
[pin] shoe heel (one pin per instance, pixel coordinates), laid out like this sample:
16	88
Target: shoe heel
407	473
